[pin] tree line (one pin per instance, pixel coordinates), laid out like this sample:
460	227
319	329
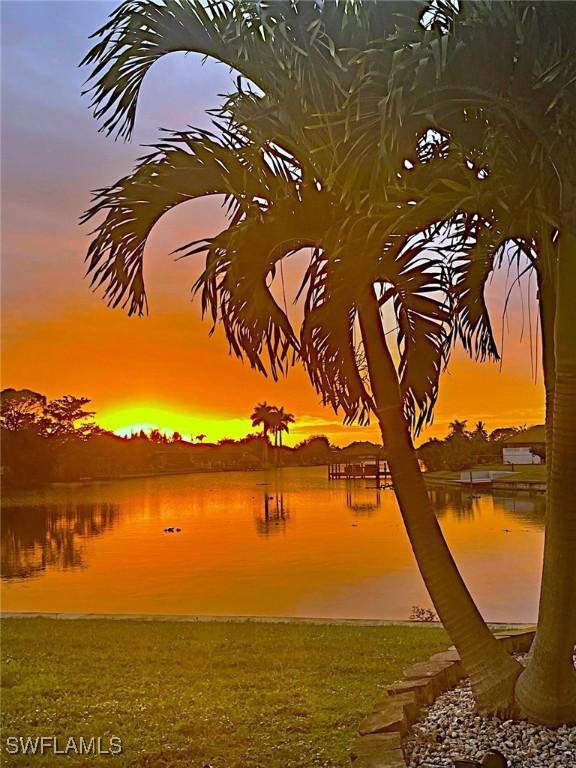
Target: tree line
58	440
463	448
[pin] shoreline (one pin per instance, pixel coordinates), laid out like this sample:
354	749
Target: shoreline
234	619
86	481
433	479
500	489
520	479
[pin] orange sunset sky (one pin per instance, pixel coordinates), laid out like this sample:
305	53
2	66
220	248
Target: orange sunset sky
161	370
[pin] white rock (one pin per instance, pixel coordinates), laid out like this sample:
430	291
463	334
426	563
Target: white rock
450	728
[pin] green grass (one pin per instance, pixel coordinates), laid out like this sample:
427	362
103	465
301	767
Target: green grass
190	695
535	473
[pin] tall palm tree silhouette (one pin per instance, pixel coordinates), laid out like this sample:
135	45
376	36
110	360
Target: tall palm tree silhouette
285	420
263	416
293	179
509	154
280	421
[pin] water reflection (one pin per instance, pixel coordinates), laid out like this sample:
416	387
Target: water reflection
362	500
455	501
279	543
465	505
50	536
275	515
525	509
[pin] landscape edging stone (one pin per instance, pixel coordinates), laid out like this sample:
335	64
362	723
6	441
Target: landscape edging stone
380	733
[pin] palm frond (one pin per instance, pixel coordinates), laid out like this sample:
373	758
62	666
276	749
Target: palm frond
473	325
240	266
327	340
311	156
416	282
182	167
139	32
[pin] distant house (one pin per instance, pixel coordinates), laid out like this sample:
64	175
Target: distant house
526	447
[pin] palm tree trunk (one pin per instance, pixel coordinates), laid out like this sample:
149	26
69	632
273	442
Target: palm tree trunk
546	692
547	307
266	443
492	671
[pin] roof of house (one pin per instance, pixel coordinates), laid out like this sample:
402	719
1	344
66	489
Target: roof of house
529	436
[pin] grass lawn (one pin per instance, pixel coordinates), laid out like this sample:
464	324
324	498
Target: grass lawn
520	473
192	695
525	474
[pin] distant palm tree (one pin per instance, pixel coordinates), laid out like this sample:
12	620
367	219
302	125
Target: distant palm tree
458	428
285	420
480	430
263	415
280	421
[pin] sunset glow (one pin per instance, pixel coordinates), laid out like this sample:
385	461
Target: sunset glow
146	416
163	370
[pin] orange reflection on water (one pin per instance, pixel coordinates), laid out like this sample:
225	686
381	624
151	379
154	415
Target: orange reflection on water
284	543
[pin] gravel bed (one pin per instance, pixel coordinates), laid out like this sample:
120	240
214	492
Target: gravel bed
452	729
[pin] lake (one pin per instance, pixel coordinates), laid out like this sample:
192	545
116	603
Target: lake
278	543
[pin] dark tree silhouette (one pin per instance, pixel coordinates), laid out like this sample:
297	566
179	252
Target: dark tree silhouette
20	409
263	416
498	82
66	417
458	428
280	422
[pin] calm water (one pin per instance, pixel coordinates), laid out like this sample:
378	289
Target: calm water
287	544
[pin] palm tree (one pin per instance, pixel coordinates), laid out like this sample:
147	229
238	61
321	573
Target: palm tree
458	428
263	415
509	158
280	423
285	420
480	429
294	179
